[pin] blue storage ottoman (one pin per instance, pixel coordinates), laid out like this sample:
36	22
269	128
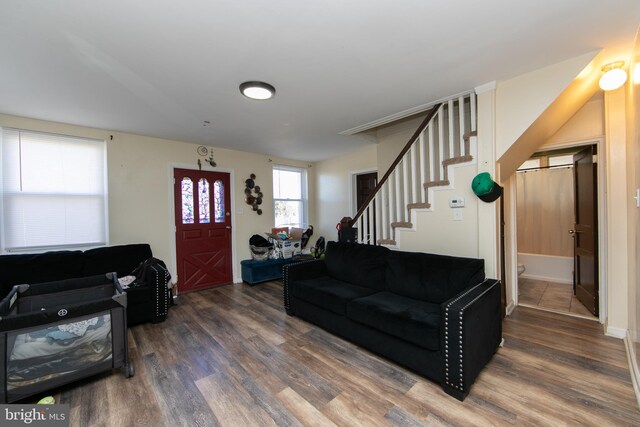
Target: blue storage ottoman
256	271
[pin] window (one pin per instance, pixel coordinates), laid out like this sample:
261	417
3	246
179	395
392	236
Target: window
53	191
290	196
565	159
530	164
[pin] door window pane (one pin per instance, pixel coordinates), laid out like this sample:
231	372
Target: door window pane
218	201
187	201
203	201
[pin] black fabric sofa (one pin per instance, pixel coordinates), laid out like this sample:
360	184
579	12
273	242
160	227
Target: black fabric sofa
146	302
437	315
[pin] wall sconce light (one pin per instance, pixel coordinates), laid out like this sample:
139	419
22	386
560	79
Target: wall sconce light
257	90
614	76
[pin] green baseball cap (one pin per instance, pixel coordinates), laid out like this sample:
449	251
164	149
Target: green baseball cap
486	188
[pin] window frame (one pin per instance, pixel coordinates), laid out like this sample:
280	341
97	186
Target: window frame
304	194
103	239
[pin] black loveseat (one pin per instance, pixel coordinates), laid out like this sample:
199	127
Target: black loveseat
434	314
147	302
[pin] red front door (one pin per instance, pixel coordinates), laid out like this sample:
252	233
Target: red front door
203	229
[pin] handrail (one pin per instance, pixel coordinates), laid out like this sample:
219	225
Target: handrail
395	163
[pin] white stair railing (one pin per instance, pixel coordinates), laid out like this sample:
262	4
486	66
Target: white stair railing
441	140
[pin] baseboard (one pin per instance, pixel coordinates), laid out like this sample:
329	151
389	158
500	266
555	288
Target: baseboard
616	332
545	278
633	366
510	307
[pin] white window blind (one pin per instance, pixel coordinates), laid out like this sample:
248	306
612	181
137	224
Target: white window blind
290	196
54	191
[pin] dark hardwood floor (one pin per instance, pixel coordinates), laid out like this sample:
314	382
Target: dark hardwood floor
231	356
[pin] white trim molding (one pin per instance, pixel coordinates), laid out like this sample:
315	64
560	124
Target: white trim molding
615	332
401	115
633	365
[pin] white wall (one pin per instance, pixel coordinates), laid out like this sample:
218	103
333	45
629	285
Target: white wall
391	140
333	183
141	196
586	124
435	230
617	272
522	99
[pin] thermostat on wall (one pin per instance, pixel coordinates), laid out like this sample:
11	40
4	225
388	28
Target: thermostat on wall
456	202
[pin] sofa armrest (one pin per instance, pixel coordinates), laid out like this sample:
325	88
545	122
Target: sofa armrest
308	269
157	277
472	331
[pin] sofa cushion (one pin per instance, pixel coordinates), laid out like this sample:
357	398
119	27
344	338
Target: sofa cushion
38	268
122	259
361	265
328	293
415	321
429	277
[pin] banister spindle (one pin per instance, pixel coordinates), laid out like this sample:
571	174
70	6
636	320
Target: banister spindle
423	175
450	122
461	124
440	143
414	169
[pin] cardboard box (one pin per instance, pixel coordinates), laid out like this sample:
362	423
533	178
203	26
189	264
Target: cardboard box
292	232
295	233
278	230
284	248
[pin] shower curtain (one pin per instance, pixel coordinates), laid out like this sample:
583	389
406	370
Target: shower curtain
545	211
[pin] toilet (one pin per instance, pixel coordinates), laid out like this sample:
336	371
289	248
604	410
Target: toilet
520	268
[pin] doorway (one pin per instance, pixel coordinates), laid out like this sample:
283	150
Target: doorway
363	185
203	229
556	211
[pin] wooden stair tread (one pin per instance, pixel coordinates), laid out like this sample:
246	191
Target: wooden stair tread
457	160
435	184
418	205
386	242
404	224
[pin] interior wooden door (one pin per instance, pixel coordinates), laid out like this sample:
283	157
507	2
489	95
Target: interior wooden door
203	229
365	184
585	231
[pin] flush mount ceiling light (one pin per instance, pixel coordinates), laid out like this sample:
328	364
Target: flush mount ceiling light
257	90
614	76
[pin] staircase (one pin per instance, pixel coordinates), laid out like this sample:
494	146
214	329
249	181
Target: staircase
441	141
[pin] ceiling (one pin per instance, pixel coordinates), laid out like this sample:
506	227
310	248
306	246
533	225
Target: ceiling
171	69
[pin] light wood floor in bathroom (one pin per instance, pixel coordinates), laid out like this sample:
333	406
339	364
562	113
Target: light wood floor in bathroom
557	297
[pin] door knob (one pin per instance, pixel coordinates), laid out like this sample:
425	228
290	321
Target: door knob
228	227
572	232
